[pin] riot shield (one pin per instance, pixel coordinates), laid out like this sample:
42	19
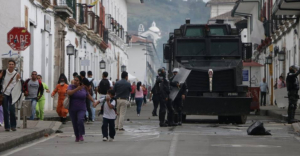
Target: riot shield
180	77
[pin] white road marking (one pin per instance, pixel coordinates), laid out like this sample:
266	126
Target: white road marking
245	145
30	145
172	150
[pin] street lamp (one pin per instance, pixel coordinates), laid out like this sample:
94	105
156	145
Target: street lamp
269	60
123	68
102	64
281	56
70	51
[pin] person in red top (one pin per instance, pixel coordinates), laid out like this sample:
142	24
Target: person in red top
132	93
145	92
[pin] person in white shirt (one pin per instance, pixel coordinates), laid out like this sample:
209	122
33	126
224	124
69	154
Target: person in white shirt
109	115
8	79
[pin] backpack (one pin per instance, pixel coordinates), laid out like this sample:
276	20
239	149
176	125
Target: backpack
92	87
104	86
102	106
257	128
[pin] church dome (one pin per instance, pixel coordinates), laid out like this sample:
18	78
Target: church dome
154	28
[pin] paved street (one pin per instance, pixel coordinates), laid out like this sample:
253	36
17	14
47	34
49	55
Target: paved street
144	137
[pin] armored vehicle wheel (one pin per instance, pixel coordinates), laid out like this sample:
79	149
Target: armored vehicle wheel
183	117
241	119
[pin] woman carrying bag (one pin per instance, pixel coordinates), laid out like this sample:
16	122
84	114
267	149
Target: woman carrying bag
77	107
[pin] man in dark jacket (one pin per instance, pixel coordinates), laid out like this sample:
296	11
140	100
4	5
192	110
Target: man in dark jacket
163	89
292	88
178	101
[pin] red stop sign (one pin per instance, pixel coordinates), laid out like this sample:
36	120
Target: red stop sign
18	38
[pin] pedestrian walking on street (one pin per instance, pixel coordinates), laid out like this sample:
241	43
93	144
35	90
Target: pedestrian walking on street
132	93
139	97
74	75
1	116
78	94
122	89
292	84
263	92
86	82
41	102
109	115
8	79
145	93
61	89
33	91
281	83
104	85
155	99
92	92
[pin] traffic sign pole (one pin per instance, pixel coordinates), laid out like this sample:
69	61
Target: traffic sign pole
18	38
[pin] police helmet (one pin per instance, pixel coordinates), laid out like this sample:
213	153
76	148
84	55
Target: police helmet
160	71
293	68
175	70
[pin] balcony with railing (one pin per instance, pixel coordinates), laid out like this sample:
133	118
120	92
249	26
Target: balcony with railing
65	8
286	7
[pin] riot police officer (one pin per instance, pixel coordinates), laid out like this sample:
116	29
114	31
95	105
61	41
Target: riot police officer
163	90
178	101
292	88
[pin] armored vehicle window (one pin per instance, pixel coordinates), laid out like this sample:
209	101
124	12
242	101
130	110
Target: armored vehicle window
194	32
217	31
191	47
224	48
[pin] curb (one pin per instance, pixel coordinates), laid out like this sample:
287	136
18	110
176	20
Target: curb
27	138
272	114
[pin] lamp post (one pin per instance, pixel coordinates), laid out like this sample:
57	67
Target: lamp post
281	56
123	68
268	60
102	64
70	51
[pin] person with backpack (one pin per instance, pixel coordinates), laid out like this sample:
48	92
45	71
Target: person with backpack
93	92
104	85
109	115
33	90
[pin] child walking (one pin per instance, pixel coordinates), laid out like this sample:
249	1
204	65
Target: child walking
109	115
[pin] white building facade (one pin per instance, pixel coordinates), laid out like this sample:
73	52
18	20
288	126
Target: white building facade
55	24
144	61
273	27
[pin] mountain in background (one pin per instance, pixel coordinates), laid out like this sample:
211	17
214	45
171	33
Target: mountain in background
168	15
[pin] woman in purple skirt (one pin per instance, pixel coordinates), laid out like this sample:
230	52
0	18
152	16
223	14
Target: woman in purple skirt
78	94
1	116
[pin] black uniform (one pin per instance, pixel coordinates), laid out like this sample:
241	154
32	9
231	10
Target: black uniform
292	88
178	102
163	89
155	99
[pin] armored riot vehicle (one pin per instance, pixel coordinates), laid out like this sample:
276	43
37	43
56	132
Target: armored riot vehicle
214	53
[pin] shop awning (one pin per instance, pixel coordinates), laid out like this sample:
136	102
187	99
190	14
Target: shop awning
252	64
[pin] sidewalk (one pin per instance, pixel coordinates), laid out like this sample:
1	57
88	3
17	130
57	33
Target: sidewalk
281	114
34	130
